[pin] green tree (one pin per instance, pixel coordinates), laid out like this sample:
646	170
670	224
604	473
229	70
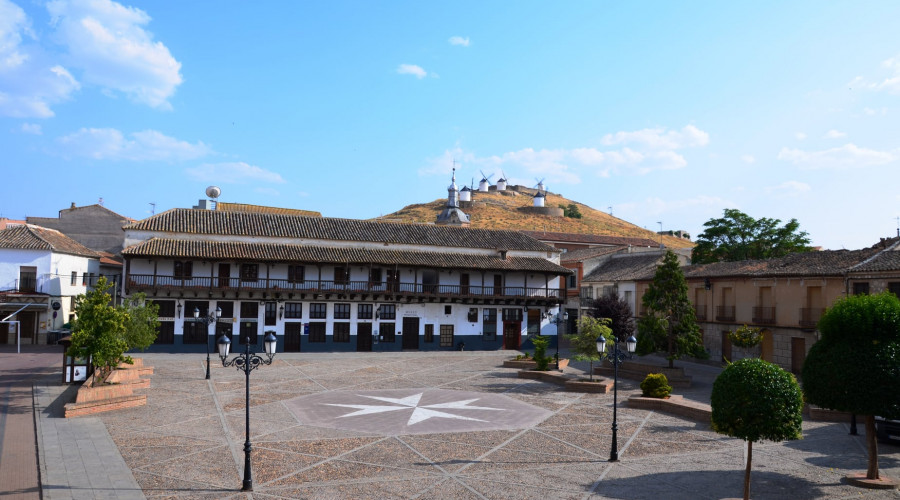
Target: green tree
737	236
755	400
541	360
855	366
669	324
143	322
584	342
621	318
99	330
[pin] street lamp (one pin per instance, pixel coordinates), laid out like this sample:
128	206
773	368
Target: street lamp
246	362
211	318
616	356
560	320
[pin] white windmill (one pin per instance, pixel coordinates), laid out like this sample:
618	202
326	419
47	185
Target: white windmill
501	182
485	183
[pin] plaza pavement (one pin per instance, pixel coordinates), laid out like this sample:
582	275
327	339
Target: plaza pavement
390	425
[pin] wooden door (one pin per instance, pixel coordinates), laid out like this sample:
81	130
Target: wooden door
411	333
364	337
293	331
767	347
464	284
224	329
512	335
28	325
498	285
798	354
726	347
224	275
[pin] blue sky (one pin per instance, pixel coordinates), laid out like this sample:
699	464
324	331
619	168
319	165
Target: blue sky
664	111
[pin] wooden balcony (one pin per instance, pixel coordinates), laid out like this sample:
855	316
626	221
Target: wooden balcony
764	315
809	316
168	284
724	313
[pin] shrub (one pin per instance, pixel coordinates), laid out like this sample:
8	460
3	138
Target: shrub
540	352
656	385
746	337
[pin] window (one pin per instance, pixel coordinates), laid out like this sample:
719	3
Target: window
894	288
512	314
375	275
448	309
341	275
249	272
190	305
249	330
71	305
861	288
249	310
489	326
473	315
271	313
227	308
165	333
195	332
166	308
446	335
318	311
387	332
571	281
74	278
317	331
587	292
293	310
429	333
296	274
342	332
342	311
387	311
28	278
364	311
183	269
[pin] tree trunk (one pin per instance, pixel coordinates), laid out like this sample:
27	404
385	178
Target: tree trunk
872	445
591	370
747	471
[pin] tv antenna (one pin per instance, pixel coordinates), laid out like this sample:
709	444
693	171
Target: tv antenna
152	208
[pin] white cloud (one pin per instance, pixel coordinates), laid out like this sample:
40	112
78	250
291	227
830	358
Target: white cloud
111	144
108	42
847	156
872	112
788	189
32	128
800	136
458	40
749	159
412	69
834	134
13	24
233	173
889	83
660	138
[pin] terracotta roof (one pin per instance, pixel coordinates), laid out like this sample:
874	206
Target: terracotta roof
180	220
627	267
582	254
591	239
109	259
31	237
824	263
888	260
243	207
273	252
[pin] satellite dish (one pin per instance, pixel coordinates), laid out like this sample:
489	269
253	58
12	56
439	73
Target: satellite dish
213	192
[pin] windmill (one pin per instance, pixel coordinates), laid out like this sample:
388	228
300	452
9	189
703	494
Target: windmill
501	183
540	184
485	182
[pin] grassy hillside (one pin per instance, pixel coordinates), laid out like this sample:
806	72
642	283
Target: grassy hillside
497	210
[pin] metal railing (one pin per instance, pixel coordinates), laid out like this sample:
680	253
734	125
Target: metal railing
724	313
145	281
809	316
764	315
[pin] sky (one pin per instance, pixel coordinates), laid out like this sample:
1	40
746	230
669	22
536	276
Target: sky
663	113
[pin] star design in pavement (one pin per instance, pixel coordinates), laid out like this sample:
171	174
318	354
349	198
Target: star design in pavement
419	413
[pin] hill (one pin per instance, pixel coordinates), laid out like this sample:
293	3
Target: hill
499	210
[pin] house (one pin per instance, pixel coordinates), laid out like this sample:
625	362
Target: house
41	272
94	226
327	284
618	276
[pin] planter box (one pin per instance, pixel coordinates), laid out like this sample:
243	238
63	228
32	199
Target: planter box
570	384
548	376
599	387
825	415
638	371
117	391
529	364
675	405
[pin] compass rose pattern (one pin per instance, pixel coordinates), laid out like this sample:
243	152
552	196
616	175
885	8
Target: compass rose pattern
414	411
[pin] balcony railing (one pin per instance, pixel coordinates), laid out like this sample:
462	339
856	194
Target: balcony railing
587	302
152	281
809	316
724	313
764	315
700	312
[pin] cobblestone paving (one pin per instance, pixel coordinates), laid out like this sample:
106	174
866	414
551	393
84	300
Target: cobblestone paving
188	441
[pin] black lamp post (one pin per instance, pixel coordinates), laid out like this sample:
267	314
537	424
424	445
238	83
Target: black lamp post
616	356
212	317
246	362
560	320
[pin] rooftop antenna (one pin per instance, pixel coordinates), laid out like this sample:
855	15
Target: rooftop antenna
898	226
100	201
152	208
214	192
660	233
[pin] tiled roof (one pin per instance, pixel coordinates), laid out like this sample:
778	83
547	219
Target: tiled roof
626	267
180	220
31	237
823	263
272	252
582	254
591	239
888	260
244	207
109	259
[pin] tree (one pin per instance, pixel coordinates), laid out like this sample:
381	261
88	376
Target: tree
143	322
584	342
621	319
670	324
755	400
737	236
99	331
855	366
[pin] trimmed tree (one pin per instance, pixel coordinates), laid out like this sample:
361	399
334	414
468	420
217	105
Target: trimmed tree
621	318
670	324
99	330
584	342
855	366
755	400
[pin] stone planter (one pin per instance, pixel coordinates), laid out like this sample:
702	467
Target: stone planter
599	386
675	405
637	370
116	392
529	364
570	384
